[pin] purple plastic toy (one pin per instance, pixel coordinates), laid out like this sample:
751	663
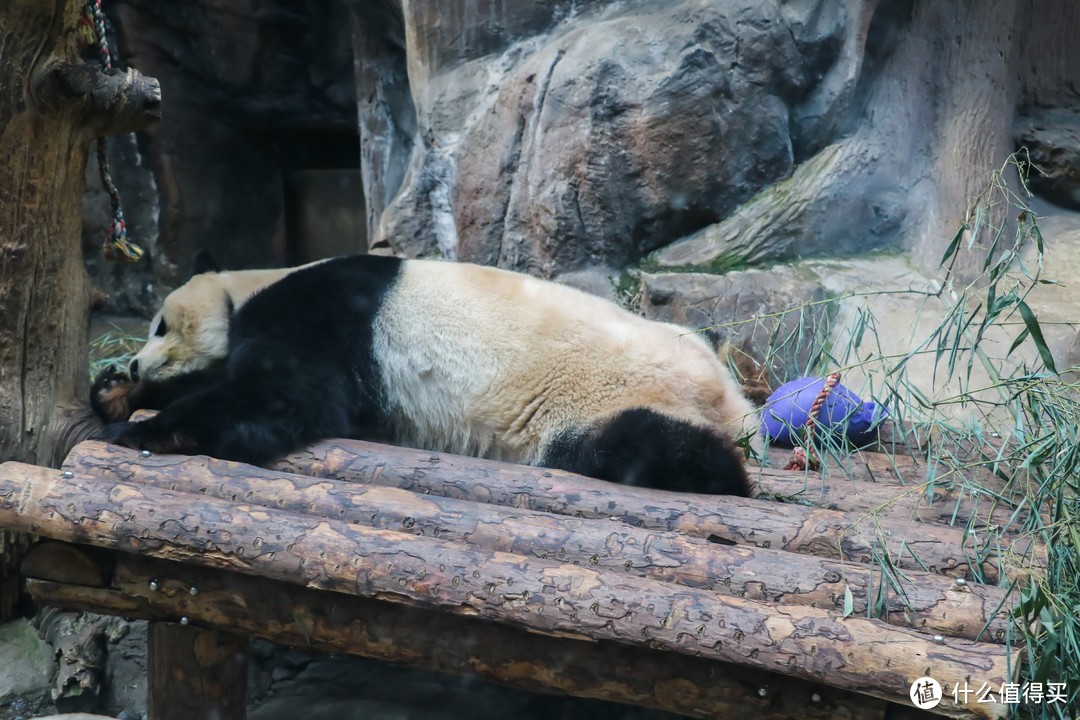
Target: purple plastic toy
788	407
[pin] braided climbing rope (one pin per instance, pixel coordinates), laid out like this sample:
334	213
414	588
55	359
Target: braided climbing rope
807	459
116	245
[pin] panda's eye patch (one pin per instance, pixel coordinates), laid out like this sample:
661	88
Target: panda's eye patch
161	329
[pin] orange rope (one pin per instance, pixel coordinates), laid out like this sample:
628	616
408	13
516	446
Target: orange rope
808	459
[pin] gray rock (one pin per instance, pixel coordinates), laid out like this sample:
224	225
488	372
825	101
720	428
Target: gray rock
125	669
815	212
27	661
573	140
595	281
778	316
1052	139
282	673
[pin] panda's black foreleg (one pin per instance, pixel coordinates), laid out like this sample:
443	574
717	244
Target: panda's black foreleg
250	419
648	449
114	396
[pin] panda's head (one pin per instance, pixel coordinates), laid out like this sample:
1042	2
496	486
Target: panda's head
191	331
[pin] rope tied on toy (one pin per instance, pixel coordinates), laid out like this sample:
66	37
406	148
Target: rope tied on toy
116	244
807	459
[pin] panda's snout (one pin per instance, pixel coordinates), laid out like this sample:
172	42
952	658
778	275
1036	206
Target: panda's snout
133	370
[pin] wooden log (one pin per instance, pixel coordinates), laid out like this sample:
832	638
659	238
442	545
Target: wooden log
332	622
898	491
73	564
195	673
927	602
853	653
869	467
945	505
827	533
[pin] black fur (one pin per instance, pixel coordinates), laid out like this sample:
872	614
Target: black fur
300	369
645	448
114	395
203	262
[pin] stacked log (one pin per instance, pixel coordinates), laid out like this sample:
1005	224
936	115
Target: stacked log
932	603
787	589
845	533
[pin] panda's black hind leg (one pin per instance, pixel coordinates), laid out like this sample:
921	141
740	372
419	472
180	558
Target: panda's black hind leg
645	448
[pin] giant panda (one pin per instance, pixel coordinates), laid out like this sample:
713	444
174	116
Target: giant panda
444	356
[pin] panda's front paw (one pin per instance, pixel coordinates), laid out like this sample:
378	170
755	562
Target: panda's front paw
110	395
148	435
121	433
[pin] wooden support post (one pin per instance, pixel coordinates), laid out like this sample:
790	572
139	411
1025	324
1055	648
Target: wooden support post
196	673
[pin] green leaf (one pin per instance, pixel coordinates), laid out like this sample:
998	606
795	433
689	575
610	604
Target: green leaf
953	244
978	226
849	601
1032	324
1019	339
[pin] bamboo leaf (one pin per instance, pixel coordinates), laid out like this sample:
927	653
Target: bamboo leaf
1032	324
1018	341
978	226
953	244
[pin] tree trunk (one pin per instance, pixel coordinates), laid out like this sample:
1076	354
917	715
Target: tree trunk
51	108
45	295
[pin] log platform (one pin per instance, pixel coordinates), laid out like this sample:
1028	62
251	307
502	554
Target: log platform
829	603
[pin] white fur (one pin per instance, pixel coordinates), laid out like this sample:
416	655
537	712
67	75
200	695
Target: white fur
488	363
491	363
197	318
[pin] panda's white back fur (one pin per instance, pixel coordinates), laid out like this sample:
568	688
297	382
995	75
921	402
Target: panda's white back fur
490	363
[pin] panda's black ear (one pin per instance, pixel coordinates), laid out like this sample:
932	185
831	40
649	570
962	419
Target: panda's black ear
203	262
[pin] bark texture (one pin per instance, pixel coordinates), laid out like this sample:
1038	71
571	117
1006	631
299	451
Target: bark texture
50	111
851	536
196	673
332	622
927	602
809	643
